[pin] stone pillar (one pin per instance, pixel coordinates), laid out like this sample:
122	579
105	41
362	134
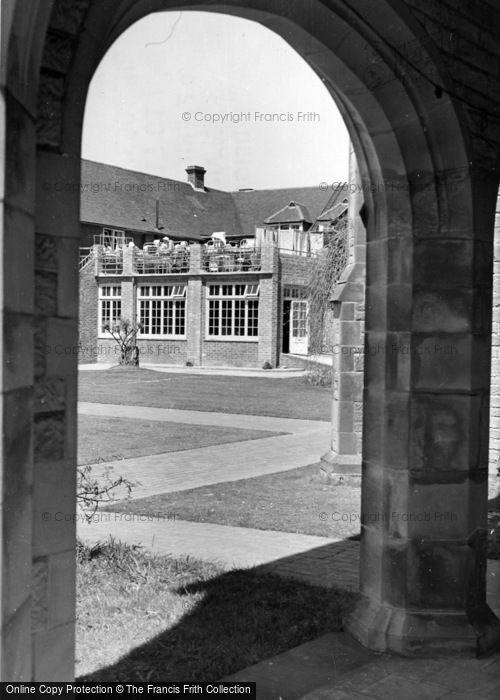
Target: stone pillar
195	308
344	456
128	261
425	440
56	338
268	305
16	378
495	364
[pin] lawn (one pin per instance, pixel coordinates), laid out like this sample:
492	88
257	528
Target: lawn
105	439
259	396
147	618
290	501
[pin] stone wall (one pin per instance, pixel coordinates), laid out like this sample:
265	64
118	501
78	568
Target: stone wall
495	355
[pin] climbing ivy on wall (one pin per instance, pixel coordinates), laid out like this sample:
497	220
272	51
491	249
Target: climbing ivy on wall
325	272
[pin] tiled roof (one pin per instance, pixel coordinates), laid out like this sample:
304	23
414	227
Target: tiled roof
292	213
254	206
333	212
336	200
121	198
126	199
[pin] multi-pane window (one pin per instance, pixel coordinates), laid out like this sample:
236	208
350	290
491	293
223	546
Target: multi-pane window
294	293
113	237
110	306
299	319
162	310
233	310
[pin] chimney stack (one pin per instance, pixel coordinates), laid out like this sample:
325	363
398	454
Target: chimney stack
196	177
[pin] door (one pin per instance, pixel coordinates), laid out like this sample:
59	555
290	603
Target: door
286	326
298	328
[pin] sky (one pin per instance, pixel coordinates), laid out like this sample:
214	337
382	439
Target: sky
184	88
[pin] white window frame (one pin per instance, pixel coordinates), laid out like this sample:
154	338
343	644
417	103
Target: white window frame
114	234
108	293
290	227
294	292
233	293
169	296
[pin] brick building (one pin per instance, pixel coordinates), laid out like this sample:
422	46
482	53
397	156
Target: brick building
214	278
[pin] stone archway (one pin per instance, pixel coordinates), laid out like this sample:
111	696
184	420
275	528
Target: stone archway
429	160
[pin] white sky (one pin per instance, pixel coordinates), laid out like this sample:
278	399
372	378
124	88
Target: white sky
203	63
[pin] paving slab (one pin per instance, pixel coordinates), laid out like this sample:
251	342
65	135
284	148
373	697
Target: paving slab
291	674
389	677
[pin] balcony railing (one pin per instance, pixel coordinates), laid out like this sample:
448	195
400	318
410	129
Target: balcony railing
230	259
86	256
110	262
161	263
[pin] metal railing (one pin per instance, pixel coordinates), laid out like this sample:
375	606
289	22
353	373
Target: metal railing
230	259
110	262
86	256
170	262
298	253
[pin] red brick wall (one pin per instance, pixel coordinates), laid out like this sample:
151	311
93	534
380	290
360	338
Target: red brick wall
231	352
88	316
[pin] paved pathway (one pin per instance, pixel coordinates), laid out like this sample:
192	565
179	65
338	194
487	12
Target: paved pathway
278	373
231	546
320	561
226	420
335	667
186	469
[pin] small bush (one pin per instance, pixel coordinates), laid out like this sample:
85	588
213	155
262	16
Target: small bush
189	363
319	376
267	365
93	490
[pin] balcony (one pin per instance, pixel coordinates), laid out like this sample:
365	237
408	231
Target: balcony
230	259
110	262
168	262
193	259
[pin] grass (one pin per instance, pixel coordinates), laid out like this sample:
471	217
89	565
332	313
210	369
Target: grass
259	396
291	501
150	618
319	376
102	438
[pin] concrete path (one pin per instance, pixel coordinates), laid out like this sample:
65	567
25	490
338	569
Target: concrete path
320	561
232	547
187	469
278	373
226	420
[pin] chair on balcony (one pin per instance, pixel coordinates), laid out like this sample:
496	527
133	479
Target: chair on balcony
228	263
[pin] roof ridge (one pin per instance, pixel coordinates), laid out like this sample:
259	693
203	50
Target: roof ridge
150	175
275	189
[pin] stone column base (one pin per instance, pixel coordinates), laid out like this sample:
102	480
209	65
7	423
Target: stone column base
426	633
336	468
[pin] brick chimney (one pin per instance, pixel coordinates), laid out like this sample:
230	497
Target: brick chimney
196	177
